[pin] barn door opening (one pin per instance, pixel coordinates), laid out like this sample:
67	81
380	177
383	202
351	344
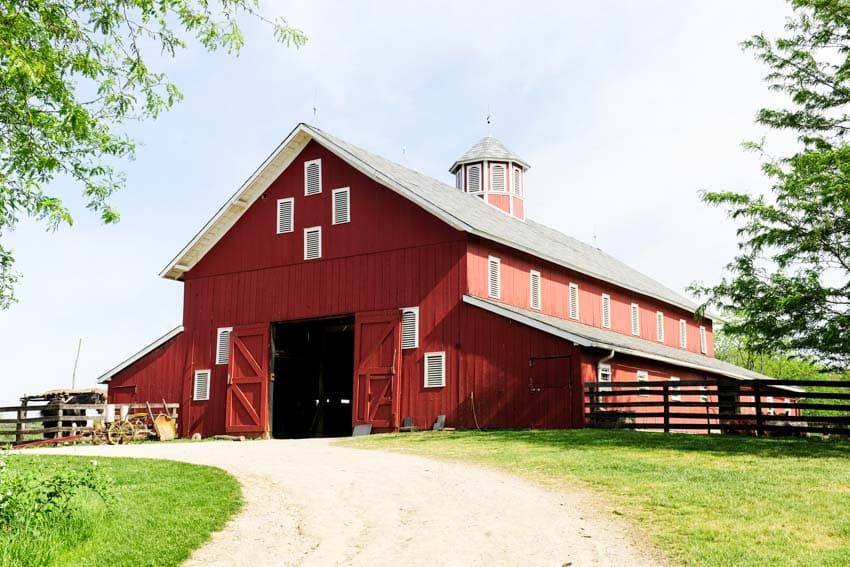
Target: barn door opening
550	387
246	400
378	356
313	375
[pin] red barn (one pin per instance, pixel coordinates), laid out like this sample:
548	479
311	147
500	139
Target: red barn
338	288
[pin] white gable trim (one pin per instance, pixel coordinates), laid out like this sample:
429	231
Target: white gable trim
107	376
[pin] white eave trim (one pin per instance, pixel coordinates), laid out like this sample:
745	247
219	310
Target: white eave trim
107	376
584	341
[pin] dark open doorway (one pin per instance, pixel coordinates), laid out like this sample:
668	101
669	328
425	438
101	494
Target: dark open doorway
314	377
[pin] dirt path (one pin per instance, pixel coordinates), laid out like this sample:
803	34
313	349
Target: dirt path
309	502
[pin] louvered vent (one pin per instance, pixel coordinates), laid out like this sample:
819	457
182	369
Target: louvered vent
435	369
574	301
534	285
683	333
313	243
285	215
497	177
494	277
410	327
313	177
459	179
635	319
201	389
473	183
341	206
703	340
606	310
222	345
659	326
517	186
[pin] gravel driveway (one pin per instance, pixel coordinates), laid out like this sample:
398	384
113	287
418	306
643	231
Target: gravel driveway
309	502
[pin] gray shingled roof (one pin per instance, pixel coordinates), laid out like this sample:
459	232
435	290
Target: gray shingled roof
595	337
488	148
471	214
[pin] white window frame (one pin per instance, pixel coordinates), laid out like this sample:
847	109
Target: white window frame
643	376
531	297
634	319
659	326
307	164
222	358
494	263
477	167
291	201
317	229
415	311
504	169
573	300
334	193
206	397
442	357
606	313
683	333
703	340
677	396
603	370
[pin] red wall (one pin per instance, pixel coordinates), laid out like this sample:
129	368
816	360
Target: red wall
155	376
555	280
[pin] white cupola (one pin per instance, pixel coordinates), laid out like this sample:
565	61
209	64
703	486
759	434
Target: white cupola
492	172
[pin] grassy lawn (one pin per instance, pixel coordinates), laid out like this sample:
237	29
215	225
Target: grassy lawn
158	513
703	500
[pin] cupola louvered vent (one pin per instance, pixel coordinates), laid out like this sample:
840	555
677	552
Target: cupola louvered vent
313	243
435	369
341	206
494	277
222	345
201	386
410	327
517	182
285	215
473	182
497	177
635	313
313	177
574	301
534	285
606	310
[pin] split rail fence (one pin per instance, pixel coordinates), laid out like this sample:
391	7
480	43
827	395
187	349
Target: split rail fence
44	420
763	407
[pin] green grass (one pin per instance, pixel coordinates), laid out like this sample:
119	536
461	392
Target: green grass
160	512
702	500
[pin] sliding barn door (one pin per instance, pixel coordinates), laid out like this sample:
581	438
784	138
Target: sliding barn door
247	400
377	359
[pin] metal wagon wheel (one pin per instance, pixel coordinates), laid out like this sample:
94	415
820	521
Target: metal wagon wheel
120	432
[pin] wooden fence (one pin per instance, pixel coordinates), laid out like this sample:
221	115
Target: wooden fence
34	421
763	407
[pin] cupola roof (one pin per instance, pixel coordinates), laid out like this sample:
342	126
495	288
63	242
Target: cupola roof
490	149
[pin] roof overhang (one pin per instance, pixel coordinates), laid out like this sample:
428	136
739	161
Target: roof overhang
107	376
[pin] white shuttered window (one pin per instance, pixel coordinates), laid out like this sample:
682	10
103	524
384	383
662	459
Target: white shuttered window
313	177
285	215
222	345
659	326
534	287
201	386
435	369
643	376
494	277
683	333
313	243
497	178
574	301
606	310
703	340
410	327
341	207
635	315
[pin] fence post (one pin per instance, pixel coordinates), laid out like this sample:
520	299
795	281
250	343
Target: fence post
21	426
759	418
665	389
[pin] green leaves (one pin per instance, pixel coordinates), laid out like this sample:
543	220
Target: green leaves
790	284
72	72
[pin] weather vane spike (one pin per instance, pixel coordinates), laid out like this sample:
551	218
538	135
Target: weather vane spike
489	120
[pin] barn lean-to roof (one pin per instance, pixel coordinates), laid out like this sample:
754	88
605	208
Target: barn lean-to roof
456	208
107	376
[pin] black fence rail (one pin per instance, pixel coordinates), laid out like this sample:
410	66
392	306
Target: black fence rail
757	407
33	421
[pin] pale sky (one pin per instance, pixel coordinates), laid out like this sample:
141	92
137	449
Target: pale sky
624	110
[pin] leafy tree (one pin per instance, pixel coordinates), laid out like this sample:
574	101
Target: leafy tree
790	283
72	72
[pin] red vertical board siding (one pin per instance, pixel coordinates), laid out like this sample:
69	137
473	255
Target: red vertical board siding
515	268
